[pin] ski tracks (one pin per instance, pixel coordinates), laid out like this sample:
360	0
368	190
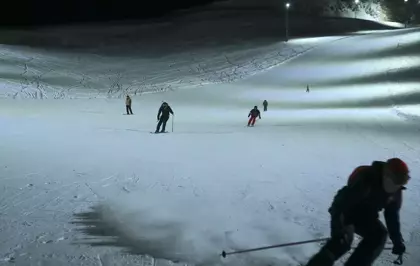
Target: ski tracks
40	210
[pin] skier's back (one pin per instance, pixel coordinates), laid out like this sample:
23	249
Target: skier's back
128	105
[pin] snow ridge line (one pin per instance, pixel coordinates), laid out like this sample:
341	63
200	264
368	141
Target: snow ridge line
225	68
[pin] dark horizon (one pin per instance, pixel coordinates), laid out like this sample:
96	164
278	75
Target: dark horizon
48	12
27	13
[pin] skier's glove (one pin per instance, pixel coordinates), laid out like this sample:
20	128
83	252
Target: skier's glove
398	249
341	231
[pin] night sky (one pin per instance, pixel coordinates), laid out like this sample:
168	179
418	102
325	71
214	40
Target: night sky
51	12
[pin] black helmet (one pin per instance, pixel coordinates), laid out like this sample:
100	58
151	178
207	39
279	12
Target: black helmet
255	107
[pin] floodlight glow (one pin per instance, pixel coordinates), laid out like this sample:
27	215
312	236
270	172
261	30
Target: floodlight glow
287	5
356	1
309	40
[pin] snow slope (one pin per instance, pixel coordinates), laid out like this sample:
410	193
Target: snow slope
210	46
81	182
370	10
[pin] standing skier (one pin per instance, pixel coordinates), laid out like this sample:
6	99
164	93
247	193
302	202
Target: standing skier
253	114
355	209
163	115
265	104
128	105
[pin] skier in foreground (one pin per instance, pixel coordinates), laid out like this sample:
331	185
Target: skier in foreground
355	209
253	114
163	115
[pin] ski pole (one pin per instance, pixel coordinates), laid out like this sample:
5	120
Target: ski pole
224	253
173	123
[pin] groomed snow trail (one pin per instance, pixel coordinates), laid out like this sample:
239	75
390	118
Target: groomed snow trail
213	184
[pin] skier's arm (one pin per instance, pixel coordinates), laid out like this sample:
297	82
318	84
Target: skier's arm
170	110
348	197
159	112
392	219
259	114
249	114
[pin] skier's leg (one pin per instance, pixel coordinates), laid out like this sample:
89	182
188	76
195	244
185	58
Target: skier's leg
158	125
334	249
265	108
131	111
374	236
253	120
164	124
249	121
126	109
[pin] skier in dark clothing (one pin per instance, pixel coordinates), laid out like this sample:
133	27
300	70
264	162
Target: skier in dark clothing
265	104
163	115
355	209
253	114
128	105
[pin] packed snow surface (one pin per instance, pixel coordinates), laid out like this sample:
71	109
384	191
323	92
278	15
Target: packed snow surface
83	184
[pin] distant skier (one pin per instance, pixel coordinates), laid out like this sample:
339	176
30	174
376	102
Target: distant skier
265	104
128	105
163	115
253	114
307	88
355	208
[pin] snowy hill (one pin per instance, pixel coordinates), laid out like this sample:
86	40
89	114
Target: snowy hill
82	184
369	10
214	45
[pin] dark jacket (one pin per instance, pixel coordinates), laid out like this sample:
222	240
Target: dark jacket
128	101
164	112
255	113
365	197
265	103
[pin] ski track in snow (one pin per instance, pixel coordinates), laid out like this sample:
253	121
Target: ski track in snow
213	184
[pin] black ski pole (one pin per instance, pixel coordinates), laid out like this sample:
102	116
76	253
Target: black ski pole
224	253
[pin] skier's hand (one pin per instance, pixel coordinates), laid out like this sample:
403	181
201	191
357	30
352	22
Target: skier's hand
398	249
340	230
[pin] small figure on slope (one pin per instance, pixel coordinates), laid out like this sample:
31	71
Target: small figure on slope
355	209
265	104
128	105
253	114
163	115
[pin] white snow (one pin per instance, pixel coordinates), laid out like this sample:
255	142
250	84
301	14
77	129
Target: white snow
213	184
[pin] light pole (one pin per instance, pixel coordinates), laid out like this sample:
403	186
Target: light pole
287	6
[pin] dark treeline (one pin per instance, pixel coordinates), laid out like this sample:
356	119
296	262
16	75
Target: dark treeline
48	12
